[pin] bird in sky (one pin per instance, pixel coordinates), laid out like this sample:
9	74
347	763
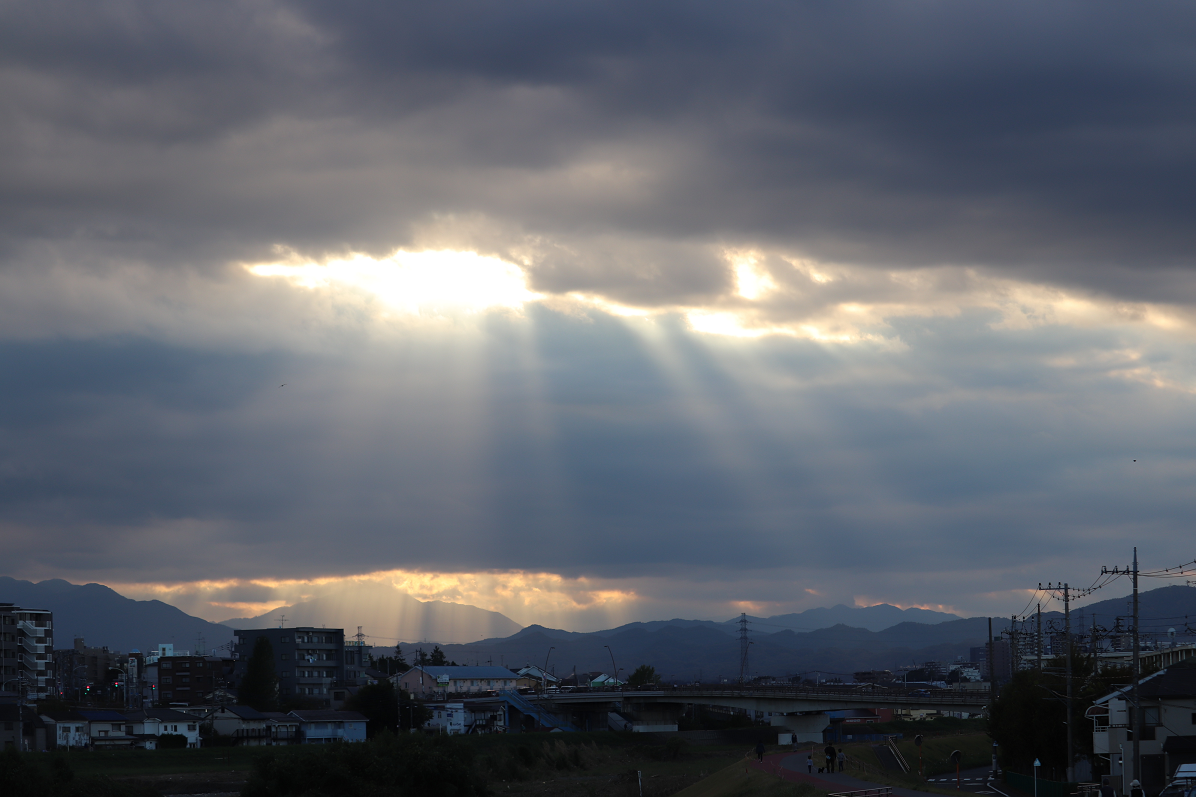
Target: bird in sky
284	385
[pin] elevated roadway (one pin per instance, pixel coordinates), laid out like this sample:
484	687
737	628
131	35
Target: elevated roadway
782	699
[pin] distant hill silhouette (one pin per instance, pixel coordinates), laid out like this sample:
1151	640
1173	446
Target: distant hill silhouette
104	617
1173	606
873	618
680	650
386	615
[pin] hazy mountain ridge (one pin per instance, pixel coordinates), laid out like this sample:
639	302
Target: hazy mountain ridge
874	618
103	616
679	649
386	615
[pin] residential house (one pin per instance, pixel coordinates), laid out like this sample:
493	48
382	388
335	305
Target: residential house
321	726
247	726
109	729
447	718
68	729
537	678
1167	737
428	681
170	721
283	728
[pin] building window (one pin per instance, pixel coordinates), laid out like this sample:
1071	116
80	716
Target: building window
191	726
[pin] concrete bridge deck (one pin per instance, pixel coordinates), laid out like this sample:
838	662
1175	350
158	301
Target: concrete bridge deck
784	699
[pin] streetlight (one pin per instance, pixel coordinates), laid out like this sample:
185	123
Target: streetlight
544	672
1037	764
616	673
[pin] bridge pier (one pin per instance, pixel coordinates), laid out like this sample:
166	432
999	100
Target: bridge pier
805	727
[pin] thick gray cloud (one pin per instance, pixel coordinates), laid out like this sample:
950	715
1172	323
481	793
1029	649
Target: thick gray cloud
993	201
1050	140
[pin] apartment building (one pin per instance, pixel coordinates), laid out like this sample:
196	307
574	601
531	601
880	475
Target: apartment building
27	651
310	663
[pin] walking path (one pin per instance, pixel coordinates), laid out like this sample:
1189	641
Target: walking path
792	768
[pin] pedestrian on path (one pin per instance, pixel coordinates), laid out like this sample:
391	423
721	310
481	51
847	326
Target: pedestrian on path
830	758
842	759
809	763
760	752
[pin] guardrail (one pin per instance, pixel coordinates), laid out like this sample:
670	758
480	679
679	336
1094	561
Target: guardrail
879	791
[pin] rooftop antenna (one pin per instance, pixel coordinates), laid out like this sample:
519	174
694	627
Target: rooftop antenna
282	621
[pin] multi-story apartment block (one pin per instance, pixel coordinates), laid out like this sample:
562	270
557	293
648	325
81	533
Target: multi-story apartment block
309	662
83	671
27	651
184	680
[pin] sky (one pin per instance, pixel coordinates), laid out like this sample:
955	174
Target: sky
592	312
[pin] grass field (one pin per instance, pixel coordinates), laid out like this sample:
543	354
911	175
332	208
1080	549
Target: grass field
564	765
126	763
733	781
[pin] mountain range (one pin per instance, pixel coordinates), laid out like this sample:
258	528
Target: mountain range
104	617
387	615
836	641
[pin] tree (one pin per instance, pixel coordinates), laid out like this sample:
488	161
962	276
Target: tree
392	665
1028	718
379	704
259	687
644	675
437	659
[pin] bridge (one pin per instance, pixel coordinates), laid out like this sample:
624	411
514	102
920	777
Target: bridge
798	709
783	699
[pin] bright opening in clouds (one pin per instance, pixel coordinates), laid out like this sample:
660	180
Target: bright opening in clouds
418	283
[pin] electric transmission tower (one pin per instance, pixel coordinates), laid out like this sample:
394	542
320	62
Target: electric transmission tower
744	642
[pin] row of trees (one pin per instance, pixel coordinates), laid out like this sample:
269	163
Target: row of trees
397	663
1028	720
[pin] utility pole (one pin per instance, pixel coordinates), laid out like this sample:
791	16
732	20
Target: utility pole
992	665
1015	652
1137	705
1067	633
1040	637
1066	590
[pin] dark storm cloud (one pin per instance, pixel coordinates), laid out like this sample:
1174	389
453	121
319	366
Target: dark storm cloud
1054	141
